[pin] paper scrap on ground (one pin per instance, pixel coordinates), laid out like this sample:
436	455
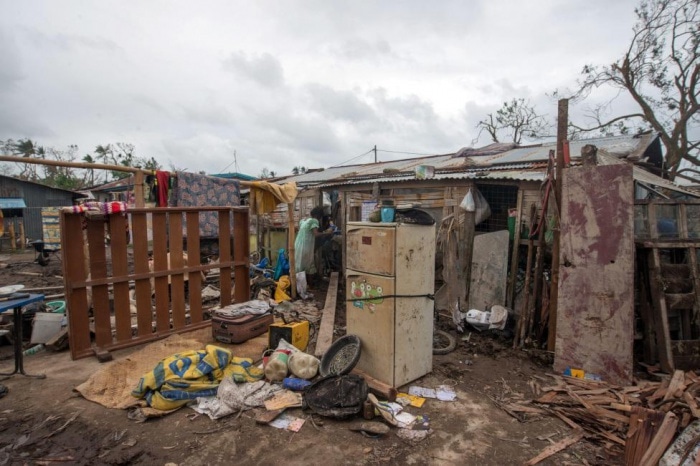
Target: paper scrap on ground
405	419
442	393
288	422
421	392
413	400
446	393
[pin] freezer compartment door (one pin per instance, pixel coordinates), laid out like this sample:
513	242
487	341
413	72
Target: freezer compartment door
371	249
371	317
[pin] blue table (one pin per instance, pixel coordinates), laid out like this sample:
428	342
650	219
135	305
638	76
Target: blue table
16	305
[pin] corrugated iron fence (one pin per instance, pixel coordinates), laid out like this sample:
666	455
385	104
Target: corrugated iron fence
101	268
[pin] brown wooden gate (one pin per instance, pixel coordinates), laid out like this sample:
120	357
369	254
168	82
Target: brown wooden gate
167	295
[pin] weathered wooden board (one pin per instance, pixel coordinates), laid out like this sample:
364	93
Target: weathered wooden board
489	276
596	287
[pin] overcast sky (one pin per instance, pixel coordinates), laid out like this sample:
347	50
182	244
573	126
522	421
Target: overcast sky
289	83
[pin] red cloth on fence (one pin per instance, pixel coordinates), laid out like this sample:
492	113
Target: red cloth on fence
163	182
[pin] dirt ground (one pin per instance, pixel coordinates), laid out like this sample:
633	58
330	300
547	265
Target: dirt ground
44	421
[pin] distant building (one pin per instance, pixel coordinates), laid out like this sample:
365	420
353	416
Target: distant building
21	202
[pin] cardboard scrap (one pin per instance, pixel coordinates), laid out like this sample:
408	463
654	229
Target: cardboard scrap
407	399
284	399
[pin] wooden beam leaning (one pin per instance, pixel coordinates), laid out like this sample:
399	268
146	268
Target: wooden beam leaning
325	332
100	293
120	268
76	300
194	285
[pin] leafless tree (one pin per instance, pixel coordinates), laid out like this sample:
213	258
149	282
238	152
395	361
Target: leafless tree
660	70
515	119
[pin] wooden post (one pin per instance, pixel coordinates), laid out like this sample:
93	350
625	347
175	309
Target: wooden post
139	199
22	238
469	231
291	236
562	124
513	276
11	230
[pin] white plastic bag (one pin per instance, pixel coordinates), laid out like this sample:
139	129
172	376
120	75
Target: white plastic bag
475	202
302	286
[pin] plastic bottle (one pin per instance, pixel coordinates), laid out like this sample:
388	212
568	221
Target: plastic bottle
277	366
292	383
33	350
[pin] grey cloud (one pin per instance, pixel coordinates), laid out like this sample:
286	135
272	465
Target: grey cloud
10	62
69	41
210	114
263	69
410	107
338	105
361	49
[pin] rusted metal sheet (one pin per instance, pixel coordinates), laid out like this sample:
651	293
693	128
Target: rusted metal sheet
596	288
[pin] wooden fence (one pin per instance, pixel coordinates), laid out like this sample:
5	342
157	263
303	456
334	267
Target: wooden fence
100	267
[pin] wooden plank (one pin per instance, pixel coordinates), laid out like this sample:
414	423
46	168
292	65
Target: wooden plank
194	282
516	251
225	256
377	387
100	293
120	267
556	447
177	261
645	310
663	335
74	269
695	275
595	313
676	386
160	263
661	440
144	308
241	252
325	332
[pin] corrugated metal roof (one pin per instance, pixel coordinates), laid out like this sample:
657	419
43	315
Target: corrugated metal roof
12	203
642	176
521	163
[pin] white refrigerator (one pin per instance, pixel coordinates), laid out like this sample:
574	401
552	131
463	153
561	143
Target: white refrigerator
390	274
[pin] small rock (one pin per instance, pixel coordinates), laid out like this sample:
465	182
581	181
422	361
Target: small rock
367	450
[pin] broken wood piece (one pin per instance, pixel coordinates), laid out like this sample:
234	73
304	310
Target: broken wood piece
547	397
675	386
267	416
378	387
661	440
621	407
283	400
557	447
692	404
59	341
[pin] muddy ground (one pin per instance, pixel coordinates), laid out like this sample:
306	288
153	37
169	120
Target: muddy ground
47	422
